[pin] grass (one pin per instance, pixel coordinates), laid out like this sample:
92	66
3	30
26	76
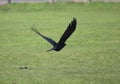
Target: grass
91	57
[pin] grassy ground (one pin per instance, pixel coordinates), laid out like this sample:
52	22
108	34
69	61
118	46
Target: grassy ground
92	55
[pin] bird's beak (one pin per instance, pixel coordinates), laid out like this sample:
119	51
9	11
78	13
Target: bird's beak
50	49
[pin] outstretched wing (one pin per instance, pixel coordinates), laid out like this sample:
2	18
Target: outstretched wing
46	38
70	29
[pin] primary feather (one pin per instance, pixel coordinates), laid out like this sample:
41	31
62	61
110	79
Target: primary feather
46	38
70	29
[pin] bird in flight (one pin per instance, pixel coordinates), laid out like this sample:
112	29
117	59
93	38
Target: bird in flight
61	43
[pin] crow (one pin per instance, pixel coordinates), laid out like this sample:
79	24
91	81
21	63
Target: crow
61	43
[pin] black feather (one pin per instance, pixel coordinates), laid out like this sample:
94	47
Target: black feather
46	38
61	43
70	29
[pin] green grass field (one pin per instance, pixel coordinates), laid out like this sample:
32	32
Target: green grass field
92	54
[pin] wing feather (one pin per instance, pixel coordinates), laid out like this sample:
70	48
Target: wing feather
46	38
70	29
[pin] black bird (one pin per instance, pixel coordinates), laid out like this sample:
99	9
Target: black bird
61	43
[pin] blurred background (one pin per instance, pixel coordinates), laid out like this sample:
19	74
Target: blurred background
92	54
22	1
